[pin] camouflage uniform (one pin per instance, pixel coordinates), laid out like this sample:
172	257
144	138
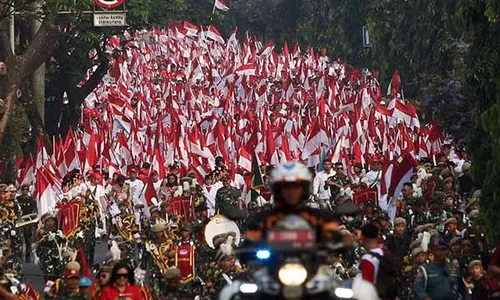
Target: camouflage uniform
58	291
340	180
10	212
28	206
184	292
227	197
47	251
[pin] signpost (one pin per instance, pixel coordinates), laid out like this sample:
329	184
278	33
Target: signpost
108	4
110	19
114	18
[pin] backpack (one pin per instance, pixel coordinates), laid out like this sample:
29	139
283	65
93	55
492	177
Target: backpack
388	277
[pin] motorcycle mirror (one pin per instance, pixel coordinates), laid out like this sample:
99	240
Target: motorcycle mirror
347	209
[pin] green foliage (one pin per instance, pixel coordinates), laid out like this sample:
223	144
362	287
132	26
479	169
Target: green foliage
482	87
17	135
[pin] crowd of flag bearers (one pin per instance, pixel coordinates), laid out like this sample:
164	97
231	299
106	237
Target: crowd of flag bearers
186	128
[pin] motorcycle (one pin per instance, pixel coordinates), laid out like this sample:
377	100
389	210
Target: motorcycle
291	265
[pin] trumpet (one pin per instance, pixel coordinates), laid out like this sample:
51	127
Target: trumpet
27	220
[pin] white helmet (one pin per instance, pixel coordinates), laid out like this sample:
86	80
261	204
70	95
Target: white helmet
290	172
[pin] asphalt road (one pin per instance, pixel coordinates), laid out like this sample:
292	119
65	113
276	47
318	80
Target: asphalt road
34	275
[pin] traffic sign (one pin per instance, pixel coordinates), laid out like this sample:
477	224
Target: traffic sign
108	4
110	19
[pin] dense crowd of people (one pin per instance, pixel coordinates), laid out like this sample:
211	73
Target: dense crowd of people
187	130
437	245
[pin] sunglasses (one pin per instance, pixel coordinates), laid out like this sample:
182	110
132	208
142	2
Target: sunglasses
121	275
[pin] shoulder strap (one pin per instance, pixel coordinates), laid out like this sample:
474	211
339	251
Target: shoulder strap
424	272
375	254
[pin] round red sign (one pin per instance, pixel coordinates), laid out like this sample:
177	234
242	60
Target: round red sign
107	4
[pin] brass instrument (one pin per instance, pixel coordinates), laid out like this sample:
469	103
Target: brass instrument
27	220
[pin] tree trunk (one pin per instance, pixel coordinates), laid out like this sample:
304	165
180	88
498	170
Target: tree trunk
22	66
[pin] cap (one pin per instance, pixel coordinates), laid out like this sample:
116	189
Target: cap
132	170
417	251
85	282
158	227
451	221
399	220
72	270
475	262
72	273
474	214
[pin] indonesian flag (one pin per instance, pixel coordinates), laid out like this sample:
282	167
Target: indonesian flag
246	70
214	34
44	194
394	175
245	160
219	4
192	30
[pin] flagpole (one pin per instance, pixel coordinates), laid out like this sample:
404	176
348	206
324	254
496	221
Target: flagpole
213	9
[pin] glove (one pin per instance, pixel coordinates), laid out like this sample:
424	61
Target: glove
60	234
51	236
79	235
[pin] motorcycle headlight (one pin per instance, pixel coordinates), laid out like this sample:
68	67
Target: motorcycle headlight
292	274
344	293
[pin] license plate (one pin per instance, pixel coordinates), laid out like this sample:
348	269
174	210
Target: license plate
291	236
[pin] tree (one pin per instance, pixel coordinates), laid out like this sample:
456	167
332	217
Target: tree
480	20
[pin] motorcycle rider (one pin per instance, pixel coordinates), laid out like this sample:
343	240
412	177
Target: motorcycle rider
290	183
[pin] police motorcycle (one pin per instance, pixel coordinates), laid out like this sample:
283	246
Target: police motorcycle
291	265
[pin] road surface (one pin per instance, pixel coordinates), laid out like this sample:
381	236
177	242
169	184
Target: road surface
34	275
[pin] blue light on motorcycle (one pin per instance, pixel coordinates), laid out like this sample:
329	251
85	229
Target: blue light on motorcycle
263	254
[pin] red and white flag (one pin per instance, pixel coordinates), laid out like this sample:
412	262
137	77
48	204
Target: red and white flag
248	70
214	34
219	4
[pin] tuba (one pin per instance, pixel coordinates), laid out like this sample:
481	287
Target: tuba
27	220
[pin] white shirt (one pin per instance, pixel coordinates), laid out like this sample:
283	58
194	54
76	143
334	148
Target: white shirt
374	178
137	190
240	184
373	260
319	184
210	193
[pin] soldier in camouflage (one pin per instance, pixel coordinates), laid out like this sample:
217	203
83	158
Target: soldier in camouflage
49	246
67	288
28	206
227	197
10	212
174	289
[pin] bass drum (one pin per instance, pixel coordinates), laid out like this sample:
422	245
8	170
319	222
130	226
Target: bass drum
219	225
